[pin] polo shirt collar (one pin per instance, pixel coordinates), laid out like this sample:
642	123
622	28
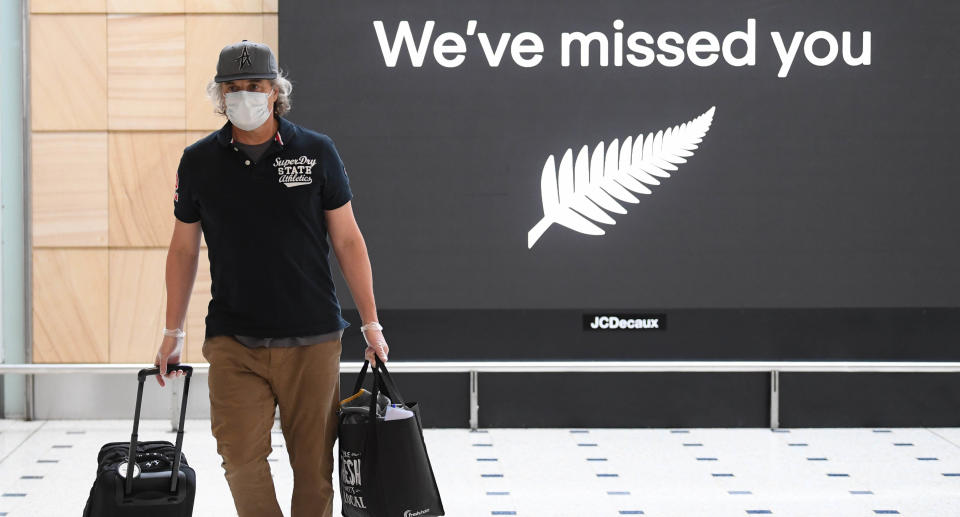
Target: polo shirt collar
285	132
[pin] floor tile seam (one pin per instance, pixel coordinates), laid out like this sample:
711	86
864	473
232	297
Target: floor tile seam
25	440
944	438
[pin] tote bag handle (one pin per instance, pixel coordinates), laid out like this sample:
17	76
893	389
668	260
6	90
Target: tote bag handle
388	385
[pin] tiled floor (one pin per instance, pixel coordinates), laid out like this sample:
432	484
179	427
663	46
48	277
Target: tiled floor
46	469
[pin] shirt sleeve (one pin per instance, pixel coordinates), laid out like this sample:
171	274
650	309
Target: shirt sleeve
336	184
184	206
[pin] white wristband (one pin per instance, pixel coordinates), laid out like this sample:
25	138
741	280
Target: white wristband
174	332
372	325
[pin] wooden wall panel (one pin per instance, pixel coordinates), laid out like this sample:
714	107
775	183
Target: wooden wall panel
143	167
146	72
67	6
224	6
138	304
193	136
207	34
145	6
197	311
68	69
271	35
70	306
69	191
104	157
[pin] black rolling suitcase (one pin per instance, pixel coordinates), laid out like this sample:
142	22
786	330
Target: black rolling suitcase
152	490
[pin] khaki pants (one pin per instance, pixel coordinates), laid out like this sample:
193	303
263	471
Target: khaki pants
245	386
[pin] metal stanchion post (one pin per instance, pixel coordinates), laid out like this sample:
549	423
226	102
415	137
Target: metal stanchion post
774	399
474	401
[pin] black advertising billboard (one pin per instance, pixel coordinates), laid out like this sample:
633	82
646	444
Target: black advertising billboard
775	179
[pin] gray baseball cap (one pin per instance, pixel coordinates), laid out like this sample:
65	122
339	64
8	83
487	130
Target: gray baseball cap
246	60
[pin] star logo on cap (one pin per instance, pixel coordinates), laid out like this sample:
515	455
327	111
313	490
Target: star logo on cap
244	59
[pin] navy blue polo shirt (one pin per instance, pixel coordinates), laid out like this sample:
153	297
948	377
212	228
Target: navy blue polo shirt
265	230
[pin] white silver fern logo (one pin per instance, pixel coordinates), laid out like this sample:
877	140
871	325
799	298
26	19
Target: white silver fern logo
581	187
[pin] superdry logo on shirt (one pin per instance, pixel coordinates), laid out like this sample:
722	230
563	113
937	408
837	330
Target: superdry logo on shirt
293	172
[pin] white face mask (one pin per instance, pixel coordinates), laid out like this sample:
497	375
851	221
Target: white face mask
247	110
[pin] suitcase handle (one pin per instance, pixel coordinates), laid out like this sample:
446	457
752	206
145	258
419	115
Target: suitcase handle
132	455
146	372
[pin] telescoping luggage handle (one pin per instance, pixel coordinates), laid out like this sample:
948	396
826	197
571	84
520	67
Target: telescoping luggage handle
132	456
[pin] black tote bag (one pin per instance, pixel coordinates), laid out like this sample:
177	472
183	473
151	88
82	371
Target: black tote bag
384	467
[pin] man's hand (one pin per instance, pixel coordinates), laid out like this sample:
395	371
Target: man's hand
170	350
375	344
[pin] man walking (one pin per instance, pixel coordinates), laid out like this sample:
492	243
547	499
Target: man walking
266	193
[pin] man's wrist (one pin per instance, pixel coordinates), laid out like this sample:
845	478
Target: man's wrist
374	325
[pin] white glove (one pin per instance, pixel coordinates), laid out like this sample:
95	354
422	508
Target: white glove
376	344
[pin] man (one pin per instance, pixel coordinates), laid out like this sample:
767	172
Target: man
266	192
